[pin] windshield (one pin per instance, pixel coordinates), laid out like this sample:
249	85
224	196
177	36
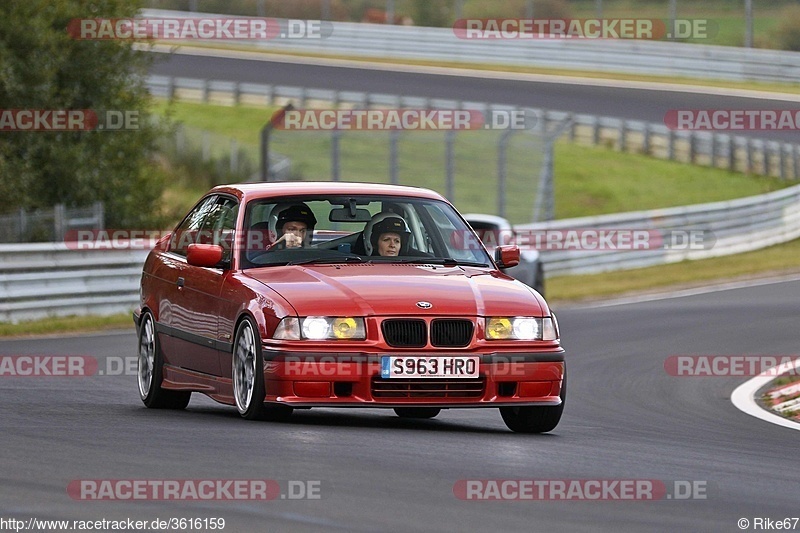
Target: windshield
312	229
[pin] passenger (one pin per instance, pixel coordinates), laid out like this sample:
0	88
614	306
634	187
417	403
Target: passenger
386	235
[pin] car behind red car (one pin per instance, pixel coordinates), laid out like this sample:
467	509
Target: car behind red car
276	296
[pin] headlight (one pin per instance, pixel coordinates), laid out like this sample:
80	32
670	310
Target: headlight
319	328
521	328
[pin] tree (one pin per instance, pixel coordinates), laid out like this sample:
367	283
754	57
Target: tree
42	67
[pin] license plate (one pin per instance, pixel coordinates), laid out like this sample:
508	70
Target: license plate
394	366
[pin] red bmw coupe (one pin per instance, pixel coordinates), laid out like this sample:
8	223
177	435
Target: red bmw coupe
276	296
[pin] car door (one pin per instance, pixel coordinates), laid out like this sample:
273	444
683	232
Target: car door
196	298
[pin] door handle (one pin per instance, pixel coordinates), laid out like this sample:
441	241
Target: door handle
181	283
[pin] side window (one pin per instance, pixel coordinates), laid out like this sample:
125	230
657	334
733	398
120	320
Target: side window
187	233
218	226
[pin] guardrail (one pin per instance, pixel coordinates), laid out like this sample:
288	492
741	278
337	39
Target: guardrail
39	280
606	55
50	224
51	279
720	150
725	228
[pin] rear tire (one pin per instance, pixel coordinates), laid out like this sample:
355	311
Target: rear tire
535	419
150	370
417	412
247	374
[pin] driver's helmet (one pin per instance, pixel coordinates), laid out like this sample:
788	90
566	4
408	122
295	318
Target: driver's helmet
297	212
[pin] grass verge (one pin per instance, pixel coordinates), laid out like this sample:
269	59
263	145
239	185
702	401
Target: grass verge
781	259
589	180
66	325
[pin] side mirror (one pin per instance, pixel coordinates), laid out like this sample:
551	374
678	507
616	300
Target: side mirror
204	255
507	256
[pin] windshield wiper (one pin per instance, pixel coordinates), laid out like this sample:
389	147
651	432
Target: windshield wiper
444	261
342	259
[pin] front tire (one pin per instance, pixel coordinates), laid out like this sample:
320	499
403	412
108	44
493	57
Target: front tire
150	370
417	412
247	373
535	419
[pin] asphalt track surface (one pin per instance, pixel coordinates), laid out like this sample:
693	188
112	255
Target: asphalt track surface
625	418
622	102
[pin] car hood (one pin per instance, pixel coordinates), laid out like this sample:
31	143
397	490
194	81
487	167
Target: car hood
369	289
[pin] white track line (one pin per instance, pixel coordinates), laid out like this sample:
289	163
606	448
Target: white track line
743	284
743	397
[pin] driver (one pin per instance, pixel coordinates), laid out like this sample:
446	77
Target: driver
295	227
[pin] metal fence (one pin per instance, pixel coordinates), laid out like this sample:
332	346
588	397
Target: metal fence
508	172
725	228
49	225
720	150
605	55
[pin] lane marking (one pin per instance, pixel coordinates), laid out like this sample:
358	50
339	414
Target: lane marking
743	398
743	284
468	73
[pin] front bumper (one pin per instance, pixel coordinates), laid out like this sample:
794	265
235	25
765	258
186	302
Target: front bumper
303	379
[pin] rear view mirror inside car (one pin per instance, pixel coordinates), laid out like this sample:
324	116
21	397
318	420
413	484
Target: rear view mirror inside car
344	214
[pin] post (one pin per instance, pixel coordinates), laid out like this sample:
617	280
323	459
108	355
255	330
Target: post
59	222
326	10
23	224
671	145
99	215
265	132
459	9
673	14
598	8
394	171
336	136
623	136
748	23
796	161
596	131
502	144
450	164
261	8
389	11
782	148
646	139
731	153
529	9
713	150
549	188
